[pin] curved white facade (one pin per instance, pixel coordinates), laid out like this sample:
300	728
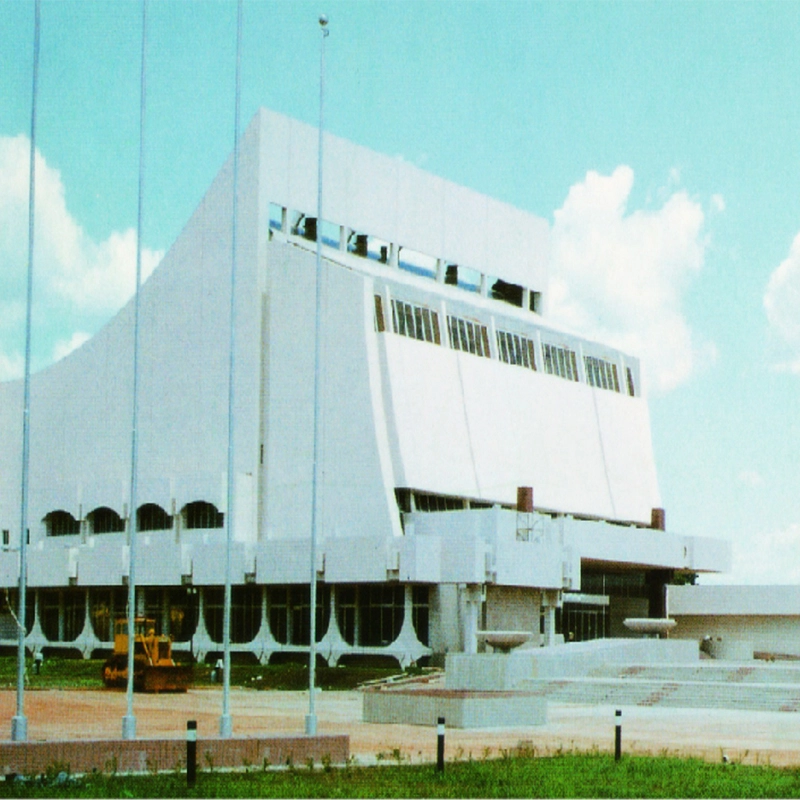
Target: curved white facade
420	411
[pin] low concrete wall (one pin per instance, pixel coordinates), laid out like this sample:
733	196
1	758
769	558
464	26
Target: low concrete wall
460	709
159	755
505	671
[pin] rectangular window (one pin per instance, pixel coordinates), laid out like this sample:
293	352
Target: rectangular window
380	325
560	361
601	373
6	538
468	336
631	388
437	502
416	322
515	349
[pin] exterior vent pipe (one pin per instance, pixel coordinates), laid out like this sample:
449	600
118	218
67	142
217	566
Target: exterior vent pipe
658	519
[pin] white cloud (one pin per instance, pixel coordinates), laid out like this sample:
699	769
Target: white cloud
782	304
717	203
76	277
11	367
65	346
750	478
766	558
620	276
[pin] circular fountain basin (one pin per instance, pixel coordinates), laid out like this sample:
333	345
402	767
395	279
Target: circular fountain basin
649	627
505	641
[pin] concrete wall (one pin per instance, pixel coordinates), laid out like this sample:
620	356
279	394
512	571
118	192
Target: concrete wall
81	406
509	670
398	202
465	427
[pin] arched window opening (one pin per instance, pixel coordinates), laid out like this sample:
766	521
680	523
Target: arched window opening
105	520
372	615
105	607
151	517
202	515
289	613
61	523
245	613
62	614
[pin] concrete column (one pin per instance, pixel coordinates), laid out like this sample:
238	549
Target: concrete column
549	604
394	255
526	298
440	269
344	235
549	626
60	615
471	598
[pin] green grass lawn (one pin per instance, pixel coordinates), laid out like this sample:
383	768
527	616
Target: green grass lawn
560	776
77	673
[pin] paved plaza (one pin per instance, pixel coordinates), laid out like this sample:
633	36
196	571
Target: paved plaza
748	736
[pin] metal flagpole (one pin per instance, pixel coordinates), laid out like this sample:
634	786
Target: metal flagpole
225	721
19	723
311	717
129	720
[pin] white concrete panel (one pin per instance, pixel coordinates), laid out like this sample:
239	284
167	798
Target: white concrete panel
275	169
356	560
284	562
463	559
466	236
420	210
158	559
628	454
337	178
303	154
208	560
480	428
355	499
373	200
703	601
48	567
528	564
9	568
103	560
599	541
420	559
425	400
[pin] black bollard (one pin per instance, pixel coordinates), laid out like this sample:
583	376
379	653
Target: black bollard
618	737
440	745
191	752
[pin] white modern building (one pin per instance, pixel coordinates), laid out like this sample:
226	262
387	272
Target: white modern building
739	622
483	469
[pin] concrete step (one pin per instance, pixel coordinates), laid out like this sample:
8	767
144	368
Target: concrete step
709	671
677	694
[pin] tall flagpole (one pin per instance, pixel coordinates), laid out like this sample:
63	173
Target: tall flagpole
225	721
129	720
19	723
311	717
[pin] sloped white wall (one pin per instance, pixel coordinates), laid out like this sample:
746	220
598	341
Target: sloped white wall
479	428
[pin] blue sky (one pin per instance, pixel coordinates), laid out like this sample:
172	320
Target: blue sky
660	140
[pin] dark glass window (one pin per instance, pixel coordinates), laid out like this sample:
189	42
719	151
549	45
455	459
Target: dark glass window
202	515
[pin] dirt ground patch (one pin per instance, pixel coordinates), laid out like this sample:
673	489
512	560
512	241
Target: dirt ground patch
747	736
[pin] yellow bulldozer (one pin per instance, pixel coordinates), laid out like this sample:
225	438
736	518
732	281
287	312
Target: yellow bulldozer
153	667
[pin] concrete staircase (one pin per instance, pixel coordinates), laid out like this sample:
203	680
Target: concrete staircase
706	684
